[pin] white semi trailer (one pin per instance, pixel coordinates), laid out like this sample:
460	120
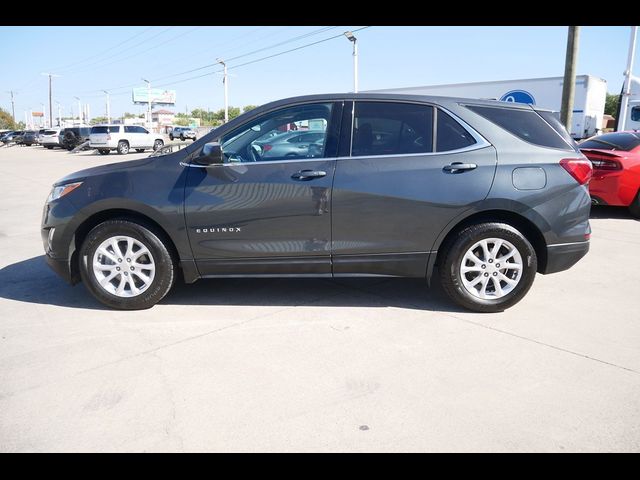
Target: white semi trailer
588	105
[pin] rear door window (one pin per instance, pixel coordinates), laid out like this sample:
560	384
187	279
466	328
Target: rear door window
525	124
450	135
389	128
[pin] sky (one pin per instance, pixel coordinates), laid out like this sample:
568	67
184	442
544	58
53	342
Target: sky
95	58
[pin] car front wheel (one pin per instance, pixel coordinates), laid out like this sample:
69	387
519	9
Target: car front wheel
123	148
634	208
126	265
488	267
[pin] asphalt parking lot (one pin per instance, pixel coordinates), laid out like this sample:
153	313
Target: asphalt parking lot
311	365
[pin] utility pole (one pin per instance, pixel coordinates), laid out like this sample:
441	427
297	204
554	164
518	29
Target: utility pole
13	106
148	101
108	108
568	87
79	108
59	115
626	90
225	80
351	37
50	102
44	114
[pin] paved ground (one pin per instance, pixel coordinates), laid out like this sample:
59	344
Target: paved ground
312	365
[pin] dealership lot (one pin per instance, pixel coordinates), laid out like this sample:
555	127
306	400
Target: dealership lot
311	365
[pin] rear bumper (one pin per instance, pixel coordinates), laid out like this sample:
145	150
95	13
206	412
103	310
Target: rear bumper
565	255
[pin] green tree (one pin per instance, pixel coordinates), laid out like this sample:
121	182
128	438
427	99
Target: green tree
98	120
611	104
181	121
248	107
6	121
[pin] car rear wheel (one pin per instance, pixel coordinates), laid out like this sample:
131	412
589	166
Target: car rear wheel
171	137
126	265
139	150
182	138
103	151
49	147
488	267
634	208
123	147
157	145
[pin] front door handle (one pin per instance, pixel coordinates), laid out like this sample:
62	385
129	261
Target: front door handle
308	174
459	167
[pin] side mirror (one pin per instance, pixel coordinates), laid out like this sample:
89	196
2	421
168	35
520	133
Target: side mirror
211	154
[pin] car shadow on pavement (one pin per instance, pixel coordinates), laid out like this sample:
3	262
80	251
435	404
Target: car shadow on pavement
32	281
605	211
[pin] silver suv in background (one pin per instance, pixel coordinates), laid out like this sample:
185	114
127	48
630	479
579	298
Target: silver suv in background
123	138
183	133
49	138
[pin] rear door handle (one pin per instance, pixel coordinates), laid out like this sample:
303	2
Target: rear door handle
459	167
308	174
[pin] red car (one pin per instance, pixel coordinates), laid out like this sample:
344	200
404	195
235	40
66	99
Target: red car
616	169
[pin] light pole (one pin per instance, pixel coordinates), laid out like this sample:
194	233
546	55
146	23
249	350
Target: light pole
225	81
44	115
50	105
569	82
351	37
13	106
626	91
59	114
108	108
79	109
148	101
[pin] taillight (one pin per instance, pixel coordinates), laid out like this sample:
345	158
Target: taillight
267	147
579	168
609	165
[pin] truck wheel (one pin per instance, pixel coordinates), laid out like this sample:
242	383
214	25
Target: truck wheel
123	147
488	267
103	151
634	208
126	265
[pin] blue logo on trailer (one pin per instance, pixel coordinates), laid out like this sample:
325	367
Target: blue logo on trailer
518	96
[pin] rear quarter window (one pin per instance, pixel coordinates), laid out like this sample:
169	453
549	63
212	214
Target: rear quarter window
527	125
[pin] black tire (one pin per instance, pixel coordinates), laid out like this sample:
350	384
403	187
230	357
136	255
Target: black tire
158	144
634	208
103	151
123	147
182	138
49	147
171	137
139	150
453	254
165	274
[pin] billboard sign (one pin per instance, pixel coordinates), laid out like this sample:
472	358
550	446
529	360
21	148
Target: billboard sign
159	96
37	114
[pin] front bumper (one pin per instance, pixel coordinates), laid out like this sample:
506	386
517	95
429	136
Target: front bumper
563	256
61	267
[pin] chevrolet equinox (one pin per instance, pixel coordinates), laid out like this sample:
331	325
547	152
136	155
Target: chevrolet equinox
481	193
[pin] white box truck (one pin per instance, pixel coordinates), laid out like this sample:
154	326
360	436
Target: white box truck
588	104
633	112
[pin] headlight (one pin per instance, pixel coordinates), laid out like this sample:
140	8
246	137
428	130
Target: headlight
62	190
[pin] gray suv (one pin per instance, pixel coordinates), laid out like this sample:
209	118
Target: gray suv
483	194
182	133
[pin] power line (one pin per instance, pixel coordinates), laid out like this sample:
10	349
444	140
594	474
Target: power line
92	57
290	40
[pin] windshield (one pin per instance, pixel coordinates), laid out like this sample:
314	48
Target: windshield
624	141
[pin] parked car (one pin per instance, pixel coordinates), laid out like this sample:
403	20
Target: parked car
182	133
18	136
40	133
7	136
74	136
30	137
482	193
49	138
290	144
122	138
616	169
